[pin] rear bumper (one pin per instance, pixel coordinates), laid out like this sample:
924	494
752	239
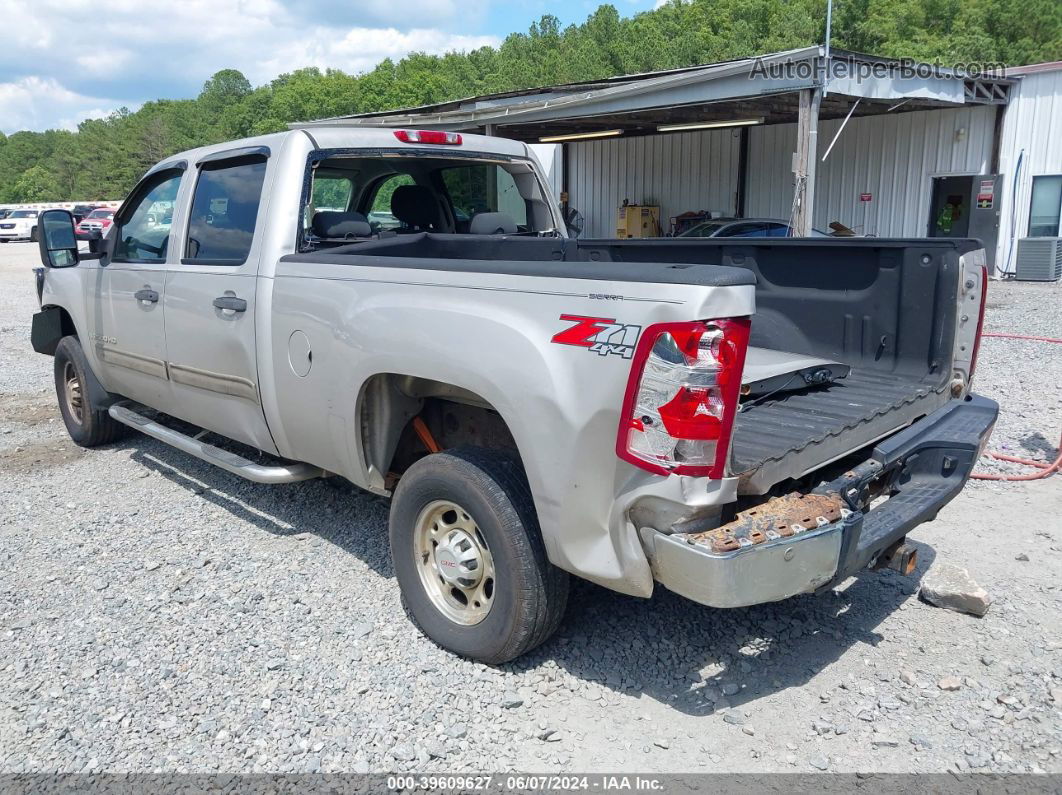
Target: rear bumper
922	467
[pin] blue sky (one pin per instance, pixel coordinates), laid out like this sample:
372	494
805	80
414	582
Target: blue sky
63	61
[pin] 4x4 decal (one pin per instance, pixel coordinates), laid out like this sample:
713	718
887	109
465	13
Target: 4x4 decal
602	335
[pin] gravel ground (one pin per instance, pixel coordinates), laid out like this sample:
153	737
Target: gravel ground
160	615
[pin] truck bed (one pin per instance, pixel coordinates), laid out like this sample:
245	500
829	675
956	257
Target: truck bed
885	307
793	433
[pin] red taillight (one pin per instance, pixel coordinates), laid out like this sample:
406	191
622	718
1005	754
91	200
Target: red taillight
980	320
428	137
682	397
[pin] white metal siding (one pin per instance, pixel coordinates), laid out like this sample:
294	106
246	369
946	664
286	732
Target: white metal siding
677	171
1032	130
893	157
549	157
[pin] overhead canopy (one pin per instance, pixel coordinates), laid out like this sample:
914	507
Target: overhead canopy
759	90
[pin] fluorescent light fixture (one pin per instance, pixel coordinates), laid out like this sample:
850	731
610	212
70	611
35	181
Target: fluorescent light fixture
708	125
556	139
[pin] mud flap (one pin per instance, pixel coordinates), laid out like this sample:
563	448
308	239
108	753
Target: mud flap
46	330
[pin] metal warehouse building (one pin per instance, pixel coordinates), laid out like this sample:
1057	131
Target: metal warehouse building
880	146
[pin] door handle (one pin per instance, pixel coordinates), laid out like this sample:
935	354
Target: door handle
231	303
147	296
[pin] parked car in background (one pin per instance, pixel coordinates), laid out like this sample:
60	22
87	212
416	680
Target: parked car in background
97	221
20	225
82	211
745	227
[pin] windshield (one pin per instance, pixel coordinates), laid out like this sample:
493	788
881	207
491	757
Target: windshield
706	229
24	214
102	214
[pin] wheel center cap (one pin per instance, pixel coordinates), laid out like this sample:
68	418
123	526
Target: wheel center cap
457	560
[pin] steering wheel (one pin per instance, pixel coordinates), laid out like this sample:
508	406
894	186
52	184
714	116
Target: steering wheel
140	245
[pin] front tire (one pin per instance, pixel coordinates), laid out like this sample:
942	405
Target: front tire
33	235
469	557
87	424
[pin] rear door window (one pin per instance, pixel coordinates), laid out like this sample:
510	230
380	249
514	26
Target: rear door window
379	214
483	188
331	192
225	211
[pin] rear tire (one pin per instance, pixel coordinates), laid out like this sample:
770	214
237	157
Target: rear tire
87	424
469	557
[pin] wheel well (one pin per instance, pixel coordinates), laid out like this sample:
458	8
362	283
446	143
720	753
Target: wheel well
66	323
404	418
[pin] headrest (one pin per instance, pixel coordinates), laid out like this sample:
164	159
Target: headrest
415	205
331	224
492	224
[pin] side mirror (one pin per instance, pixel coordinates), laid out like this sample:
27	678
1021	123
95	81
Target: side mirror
58	245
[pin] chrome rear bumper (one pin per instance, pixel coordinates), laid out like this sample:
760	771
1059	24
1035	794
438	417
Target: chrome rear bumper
751	561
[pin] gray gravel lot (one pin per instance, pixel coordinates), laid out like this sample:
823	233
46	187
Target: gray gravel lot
160	615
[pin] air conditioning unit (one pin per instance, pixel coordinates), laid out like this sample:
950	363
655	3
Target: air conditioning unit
1039	259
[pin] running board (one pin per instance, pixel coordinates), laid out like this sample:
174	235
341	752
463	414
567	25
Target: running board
231	462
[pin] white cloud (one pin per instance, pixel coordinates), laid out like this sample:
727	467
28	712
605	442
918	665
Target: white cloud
35	103
359	49
79	56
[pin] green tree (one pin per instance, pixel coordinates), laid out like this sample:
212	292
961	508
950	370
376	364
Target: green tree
36	184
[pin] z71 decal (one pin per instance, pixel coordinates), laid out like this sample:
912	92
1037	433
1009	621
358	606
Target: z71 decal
602	335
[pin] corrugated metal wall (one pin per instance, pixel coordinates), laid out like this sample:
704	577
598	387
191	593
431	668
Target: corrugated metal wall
892	157
1031	130
678	172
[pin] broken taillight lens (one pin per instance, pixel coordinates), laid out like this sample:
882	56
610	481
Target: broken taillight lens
428	137
682	397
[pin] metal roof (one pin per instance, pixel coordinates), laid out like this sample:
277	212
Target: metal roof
718	90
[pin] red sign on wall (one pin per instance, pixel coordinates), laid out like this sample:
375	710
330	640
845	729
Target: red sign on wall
865	197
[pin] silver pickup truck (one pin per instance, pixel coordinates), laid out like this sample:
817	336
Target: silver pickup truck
404	309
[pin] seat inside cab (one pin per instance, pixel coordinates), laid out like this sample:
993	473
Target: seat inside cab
355	198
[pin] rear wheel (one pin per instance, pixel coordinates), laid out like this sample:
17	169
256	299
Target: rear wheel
469	557
88	425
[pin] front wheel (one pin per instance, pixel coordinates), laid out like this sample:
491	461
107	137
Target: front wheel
469	556
33	235
88	425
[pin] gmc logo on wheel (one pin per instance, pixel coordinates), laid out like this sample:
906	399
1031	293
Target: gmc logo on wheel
602	335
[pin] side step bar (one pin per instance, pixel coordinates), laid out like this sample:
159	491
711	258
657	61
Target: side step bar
231	462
